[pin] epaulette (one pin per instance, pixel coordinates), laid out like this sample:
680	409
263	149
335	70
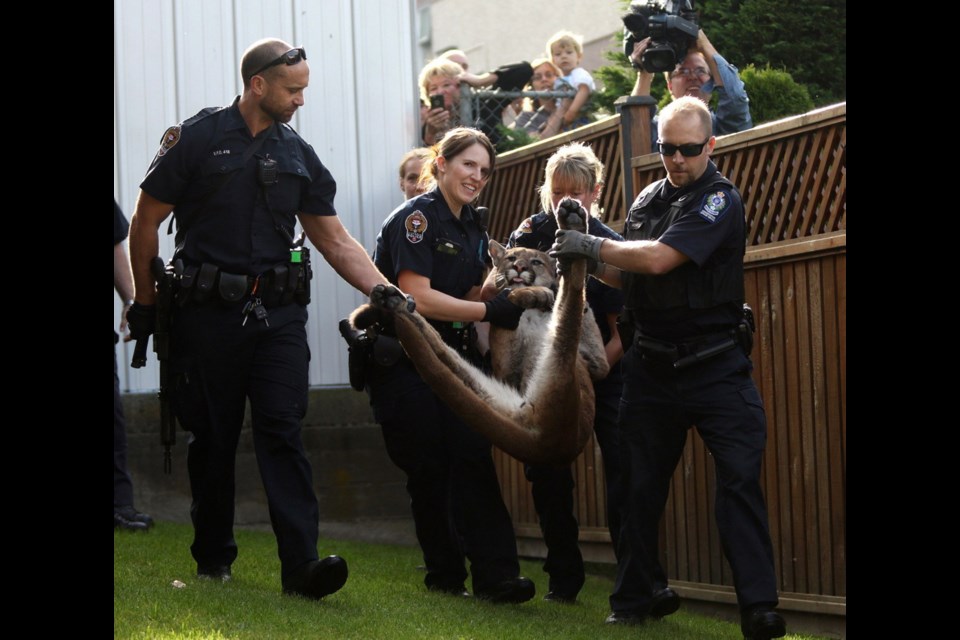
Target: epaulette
203	113
647	194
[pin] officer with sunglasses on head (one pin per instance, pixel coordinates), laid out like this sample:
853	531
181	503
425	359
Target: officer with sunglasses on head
702	72
237	179
681	271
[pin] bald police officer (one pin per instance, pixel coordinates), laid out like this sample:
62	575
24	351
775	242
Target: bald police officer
237	179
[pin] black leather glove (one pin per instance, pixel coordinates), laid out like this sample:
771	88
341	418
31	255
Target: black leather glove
501	312
142	320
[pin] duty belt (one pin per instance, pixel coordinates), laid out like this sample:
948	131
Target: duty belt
680	355
275	287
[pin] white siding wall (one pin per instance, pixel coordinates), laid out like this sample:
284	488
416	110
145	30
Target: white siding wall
175	57
497	32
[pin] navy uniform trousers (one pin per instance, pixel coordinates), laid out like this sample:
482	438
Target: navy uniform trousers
122	484
455	497
221	363
659	405
553	496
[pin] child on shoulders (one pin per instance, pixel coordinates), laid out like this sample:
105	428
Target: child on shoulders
566	51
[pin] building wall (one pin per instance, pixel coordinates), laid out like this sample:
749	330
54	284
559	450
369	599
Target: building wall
172	58
496	32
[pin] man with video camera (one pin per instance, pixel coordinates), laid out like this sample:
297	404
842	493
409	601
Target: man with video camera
701	72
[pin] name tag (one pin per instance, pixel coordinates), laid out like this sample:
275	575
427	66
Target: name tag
447	246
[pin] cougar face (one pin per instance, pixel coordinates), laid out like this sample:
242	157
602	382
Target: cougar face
522	267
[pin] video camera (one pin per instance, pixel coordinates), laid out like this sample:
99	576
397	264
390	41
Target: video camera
672	27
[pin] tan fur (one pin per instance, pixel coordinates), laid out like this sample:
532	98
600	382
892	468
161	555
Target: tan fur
540	406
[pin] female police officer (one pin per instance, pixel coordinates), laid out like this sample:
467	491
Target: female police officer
434	248
574	171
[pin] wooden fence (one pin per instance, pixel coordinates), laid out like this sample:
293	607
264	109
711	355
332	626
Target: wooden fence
792	175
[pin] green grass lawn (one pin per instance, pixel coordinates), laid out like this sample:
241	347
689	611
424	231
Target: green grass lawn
384	598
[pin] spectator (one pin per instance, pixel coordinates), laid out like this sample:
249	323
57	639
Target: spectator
542	118
410	167
440	77
458	56
702	72
566	51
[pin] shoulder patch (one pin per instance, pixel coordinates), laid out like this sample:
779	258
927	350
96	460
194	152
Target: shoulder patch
526	226
170	138
715	205
416	225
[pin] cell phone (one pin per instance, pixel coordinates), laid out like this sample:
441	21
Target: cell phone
436	102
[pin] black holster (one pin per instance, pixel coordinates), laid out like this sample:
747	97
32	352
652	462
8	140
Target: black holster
360	346
367	348
626	328
746	329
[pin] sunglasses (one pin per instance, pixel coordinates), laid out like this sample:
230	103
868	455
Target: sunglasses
290	57
686	150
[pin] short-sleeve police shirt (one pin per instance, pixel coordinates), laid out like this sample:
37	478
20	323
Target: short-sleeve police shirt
711	225
233	224
424	236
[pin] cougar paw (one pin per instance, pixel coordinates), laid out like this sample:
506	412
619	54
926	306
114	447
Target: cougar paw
572	215
532	298
390	298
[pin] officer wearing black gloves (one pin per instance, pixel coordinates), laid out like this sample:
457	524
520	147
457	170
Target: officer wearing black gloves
434	248
237	179
681	270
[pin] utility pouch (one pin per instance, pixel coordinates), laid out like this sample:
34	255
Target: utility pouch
386	350
205	280
232	287
275	286
188	278
292	276
658	351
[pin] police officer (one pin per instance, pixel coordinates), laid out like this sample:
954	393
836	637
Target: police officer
574	171
237	179
125	516
681	269
435	248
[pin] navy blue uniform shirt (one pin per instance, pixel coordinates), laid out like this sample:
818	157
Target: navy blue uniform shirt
234	228
424	236
709	229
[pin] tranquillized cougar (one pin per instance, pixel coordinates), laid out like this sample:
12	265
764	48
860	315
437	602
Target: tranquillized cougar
540	409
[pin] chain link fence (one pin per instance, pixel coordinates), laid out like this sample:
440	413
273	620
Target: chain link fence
495	111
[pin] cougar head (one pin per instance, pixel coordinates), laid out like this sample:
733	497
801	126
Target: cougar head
522	267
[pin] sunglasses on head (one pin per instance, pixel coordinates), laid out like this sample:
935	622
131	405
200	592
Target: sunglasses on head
686	150
290	57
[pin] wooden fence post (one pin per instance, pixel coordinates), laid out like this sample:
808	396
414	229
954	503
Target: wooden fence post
635	115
